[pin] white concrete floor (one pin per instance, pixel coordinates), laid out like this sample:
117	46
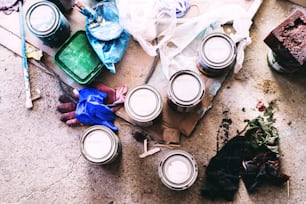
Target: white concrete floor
40	159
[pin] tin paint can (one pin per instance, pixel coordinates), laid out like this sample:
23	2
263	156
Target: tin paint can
178	170
217	54
100	145
143	105
186	91
64	5
46	22
275	64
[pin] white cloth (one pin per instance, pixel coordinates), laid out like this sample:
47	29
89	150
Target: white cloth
179	39
181	50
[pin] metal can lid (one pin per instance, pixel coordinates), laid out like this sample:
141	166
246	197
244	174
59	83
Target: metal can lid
186	88
143	103
178	170
217	50
98	144
42	18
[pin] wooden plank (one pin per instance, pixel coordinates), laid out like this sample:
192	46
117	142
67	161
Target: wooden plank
7	36
131	70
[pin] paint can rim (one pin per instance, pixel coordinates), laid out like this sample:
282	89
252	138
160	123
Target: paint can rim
112	141
191	101
168	164
134	112
223	64
51	28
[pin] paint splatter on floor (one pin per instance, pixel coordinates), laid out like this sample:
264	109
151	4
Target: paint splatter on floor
223	131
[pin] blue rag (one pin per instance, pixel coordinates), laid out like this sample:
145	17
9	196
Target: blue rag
105	34
91	109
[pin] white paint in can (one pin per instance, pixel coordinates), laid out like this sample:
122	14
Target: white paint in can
99	145
178	170
186	91
217	54
143	105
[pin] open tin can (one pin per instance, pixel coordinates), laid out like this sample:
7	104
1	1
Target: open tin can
186	91
46	22
100	145
143	105
276	64
178	170
217	54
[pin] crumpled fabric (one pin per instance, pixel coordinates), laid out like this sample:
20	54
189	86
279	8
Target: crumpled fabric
265	134
105	34
91	109
254	157
9	6
223	170
182	47
265	166
148	20
240	158
182	8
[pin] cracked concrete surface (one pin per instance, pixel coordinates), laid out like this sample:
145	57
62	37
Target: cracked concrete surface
40	159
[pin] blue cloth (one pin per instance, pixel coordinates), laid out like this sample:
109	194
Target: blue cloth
182	8
91	109
109	52
105	34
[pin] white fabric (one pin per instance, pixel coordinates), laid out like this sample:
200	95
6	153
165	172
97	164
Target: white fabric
181	50
179	39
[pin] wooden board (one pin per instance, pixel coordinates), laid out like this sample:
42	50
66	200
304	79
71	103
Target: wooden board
131	70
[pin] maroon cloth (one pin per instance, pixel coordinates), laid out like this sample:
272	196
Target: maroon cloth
8	6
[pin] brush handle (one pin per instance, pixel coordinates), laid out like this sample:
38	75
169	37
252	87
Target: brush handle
26	76
28	98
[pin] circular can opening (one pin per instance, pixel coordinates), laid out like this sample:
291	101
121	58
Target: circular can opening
186	89
217	51
143	103
99	145
178	170
42	18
